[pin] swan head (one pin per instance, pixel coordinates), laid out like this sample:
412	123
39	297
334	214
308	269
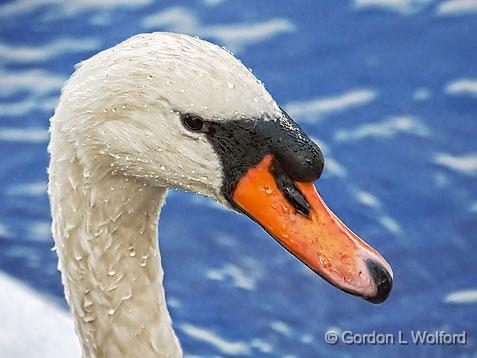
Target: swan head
171	110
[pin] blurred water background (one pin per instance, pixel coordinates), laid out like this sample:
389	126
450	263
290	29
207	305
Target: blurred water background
389	90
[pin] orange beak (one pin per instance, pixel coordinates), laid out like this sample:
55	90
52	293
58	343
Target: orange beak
318	238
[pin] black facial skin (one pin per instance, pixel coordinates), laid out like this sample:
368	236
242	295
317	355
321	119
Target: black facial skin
242	144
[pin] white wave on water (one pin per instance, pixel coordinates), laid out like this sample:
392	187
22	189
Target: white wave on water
238	36
62	46
173	301
239	278
41	86
457	7
101	18
32	326
464	296
4	232
213	2
307	338
462	87
386	221
385	129
22	107
65	8
464	164
281	327
368	199
39	231
27	189
178	18
224	346
333	167
403	7
473	207
24	135
39	82
421	94
261	345
312	110
391	224
234	36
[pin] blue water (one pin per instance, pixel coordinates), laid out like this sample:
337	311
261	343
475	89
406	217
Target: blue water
396	88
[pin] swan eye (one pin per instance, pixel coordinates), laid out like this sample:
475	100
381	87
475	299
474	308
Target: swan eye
192	123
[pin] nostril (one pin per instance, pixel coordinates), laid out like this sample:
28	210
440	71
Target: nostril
382	279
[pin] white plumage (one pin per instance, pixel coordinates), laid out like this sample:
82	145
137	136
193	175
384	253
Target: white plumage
117	144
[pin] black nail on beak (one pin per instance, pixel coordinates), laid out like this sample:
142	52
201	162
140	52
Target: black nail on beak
383	281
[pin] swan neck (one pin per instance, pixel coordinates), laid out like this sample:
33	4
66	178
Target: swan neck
105	232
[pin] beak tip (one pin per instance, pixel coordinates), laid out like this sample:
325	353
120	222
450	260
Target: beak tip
383	281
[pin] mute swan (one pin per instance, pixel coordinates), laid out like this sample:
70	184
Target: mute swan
167	110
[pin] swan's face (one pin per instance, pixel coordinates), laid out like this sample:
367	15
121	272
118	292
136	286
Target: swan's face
171	110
